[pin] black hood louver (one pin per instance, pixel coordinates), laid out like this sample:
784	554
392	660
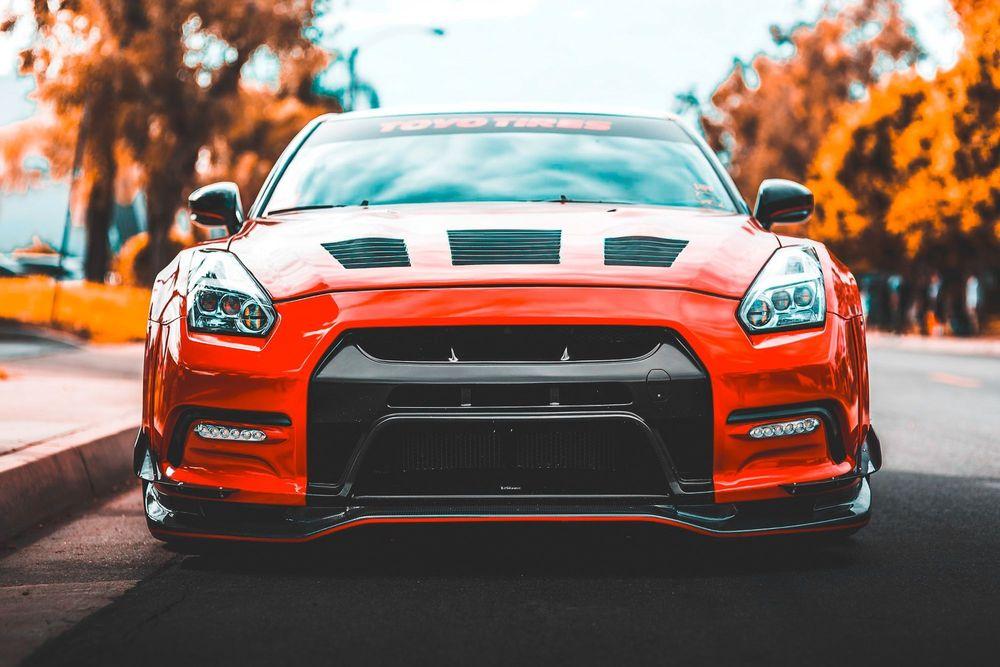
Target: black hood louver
642	251
369	253
504	246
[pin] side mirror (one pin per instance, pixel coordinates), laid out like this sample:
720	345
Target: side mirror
779	200
217	205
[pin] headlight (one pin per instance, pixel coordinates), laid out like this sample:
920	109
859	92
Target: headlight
787	294
224	298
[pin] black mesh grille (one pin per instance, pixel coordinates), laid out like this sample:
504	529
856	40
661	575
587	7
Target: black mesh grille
504	246
469	429
511	343
642	251
497	456
424	450
370	252
509	395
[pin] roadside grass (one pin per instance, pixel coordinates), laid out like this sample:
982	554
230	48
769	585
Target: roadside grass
100	313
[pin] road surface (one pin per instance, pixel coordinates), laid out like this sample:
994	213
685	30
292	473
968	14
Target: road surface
919	585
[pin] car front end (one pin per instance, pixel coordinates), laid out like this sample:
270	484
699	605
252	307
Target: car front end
504	361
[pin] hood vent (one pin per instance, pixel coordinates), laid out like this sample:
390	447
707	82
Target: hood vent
369	253
642	251
504	246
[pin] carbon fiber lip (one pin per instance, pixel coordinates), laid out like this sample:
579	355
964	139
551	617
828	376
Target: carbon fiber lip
169	516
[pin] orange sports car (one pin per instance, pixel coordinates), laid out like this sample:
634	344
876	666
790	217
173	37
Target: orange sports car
503	316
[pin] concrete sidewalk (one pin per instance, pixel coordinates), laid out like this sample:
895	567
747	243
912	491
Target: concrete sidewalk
982	347
63	389
69	413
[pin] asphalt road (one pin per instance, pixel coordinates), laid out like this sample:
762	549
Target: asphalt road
919	585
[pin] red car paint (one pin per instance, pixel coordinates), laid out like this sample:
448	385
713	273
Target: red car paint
724	254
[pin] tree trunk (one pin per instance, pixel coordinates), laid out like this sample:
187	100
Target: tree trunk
163	199
165	195
100	208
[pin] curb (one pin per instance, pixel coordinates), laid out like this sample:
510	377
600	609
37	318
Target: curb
25	331
45	480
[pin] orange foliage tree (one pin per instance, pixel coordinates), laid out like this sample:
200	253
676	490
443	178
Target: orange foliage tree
160	86
917	165
768	117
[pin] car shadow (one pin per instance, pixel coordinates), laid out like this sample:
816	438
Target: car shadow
519	550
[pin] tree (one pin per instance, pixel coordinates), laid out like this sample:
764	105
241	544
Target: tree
80	79
769	117
158	84
917	165
268	120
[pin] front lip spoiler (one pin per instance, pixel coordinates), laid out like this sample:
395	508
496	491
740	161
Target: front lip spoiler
845	511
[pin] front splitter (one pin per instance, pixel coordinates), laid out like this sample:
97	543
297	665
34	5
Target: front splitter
172	518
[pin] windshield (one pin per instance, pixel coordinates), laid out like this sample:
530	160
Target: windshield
499	158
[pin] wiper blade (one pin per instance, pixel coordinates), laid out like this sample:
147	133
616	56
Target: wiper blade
563	199
295	209
314	207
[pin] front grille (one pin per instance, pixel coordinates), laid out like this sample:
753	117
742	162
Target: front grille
433	448
369	253
642	251
509	395
517	378
509	343
504	246
511	457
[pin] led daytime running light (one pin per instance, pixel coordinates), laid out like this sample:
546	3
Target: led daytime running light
217	432
795	427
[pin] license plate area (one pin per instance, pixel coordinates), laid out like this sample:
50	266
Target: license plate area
503	456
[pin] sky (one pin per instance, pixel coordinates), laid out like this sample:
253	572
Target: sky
629	54
622	53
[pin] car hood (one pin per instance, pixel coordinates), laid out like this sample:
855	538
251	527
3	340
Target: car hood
290	254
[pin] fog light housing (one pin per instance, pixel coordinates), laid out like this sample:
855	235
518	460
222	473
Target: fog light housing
231	433
780	429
